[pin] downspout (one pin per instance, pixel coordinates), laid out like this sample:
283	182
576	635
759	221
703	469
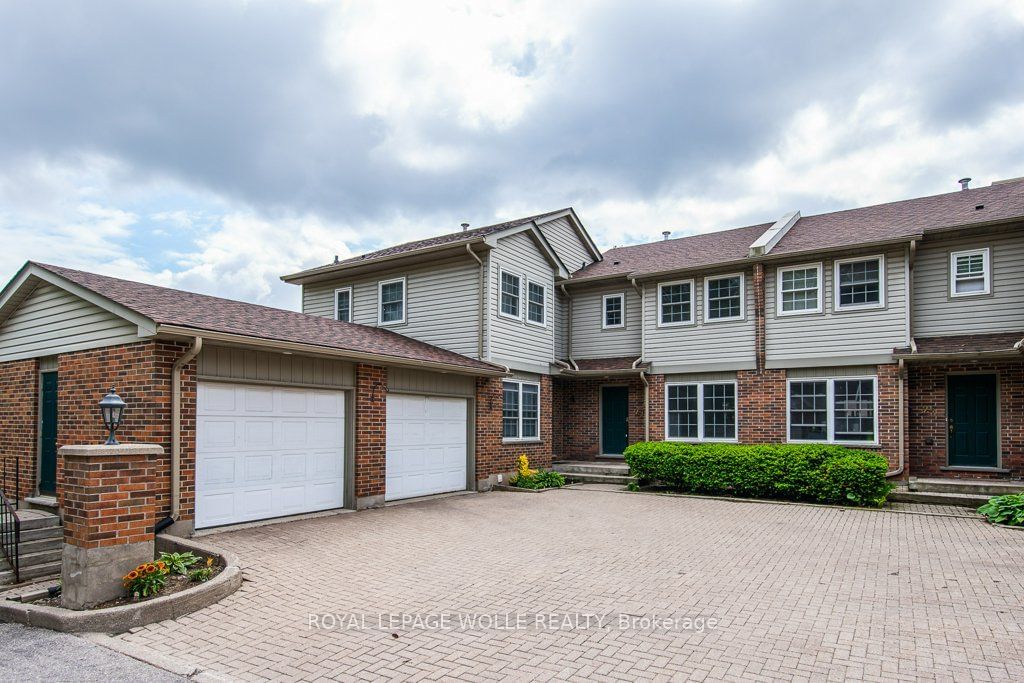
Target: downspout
642	291
185	359
480	308
647	406
900	431
568	329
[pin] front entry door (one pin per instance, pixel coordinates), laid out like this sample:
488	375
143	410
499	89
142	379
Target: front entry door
614	420
972	421
48	436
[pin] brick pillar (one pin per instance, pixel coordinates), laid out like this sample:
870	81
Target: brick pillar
762	406
656	395
371	435
759	313
19	418
109	509
888	416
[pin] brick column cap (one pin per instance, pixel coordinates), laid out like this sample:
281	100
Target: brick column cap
99	451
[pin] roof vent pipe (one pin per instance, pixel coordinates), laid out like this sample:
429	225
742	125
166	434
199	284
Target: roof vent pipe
964	183
665	234
336	259
465	227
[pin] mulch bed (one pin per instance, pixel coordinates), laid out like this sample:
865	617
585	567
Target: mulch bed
175	584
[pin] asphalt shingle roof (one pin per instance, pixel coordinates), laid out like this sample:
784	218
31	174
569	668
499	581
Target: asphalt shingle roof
965	343
167	306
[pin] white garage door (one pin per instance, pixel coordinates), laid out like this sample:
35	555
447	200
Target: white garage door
267	452
426	446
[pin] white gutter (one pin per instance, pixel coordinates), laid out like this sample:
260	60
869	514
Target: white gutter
901	418
763	244
185	359
568	329
1019	346
480	308
324	272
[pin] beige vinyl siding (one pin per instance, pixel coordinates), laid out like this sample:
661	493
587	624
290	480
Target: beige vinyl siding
566	242
408	380
837	336
51	320
441	302
703	346
590	339
561	325
515	342
266	367
937	314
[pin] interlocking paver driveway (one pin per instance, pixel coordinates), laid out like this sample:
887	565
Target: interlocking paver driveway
800	592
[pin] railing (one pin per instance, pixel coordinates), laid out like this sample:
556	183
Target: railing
10	525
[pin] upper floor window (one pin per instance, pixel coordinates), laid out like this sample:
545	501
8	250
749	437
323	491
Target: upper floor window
859	283
704	411
723	298
510	294
799	290
614	310
343	304
536	303
970	273
833	410
520	410
675	301
391	294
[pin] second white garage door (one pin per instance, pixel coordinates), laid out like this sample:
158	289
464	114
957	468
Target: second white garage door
426	445
264	451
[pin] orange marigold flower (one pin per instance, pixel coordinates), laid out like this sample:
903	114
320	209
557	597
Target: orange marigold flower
132	575
151	569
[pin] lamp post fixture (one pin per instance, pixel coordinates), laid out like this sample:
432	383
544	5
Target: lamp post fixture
112	409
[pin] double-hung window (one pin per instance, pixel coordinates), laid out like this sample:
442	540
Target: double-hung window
799	289
723	298
520	411
859	283
613	308
701	411
510	295
391	294
970	273
343	304
835	410
536	303
675	303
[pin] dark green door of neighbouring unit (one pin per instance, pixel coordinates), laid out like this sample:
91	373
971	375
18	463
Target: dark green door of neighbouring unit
48	436
972	421
614	420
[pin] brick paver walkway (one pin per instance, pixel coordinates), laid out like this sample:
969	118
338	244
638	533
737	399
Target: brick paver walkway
799	592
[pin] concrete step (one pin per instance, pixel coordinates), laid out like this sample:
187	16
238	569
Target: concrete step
587	478
980	487
613	468
37	557
39	571
37	519
27	547
45	533
967	500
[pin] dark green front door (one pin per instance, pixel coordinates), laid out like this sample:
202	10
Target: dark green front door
972	421
614	420
48	436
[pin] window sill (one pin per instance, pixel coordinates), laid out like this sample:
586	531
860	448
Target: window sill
521	441
854	309
964	468
683	440
847	444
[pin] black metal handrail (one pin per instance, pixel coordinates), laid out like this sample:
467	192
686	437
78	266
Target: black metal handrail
10	534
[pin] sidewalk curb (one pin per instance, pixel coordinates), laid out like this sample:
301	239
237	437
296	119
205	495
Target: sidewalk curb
147	655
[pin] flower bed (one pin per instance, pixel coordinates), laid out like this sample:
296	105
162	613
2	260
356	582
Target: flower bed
527	478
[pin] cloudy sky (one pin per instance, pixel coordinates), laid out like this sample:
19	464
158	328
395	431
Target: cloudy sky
215	145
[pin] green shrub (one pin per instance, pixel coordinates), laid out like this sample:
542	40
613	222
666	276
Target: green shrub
1008	510
805	472
539	480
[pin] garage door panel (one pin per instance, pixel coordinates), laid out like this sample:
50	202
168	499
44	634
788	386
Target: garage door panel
426	445
254	460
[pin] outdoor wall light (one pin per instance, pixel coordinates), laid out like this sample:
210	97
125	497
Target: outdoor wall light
112	410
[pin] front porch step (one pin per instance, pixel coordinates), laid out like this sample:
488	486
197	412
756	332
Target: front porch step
577	472
39	571
37	519
979	487
967	500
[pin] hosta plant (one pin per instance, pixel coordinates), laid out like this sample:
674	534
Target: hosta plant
179	563
1008	510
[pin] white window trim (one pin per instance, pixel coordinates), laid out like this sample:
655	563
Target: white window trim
544	309
881	283
830	409
380	302
521	438
338	291
986	260
621	296
522	310
743	298
693	303
700	411
778	289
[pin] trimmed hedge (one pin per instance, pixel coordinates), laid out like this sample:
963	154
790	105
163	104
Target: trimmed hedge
804	472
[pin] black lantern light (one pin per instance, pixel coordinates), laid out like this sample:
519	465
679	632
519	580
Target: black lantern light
112	410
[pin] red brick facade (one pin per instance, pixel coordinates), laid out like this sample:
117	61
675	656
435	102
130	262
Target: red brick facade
928	420
761	406
19	417
495	456
371	430
577	428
